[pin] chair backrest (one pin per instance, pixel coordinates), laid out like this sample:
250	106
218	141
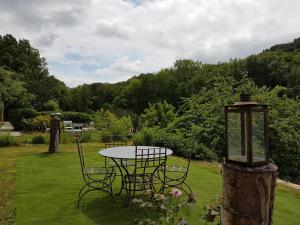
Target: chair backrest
68	125
188	156
77	125
115	140
149	159
81	157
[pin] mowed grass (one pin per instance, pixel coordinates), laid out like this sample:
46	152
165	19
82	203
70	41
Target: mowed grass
41	188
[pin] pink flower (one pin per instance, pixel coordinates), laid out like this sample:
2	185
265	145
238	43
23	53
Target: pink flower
175	193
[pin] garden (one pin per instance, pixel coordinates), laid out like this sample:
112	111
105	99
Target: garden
38	187
180	108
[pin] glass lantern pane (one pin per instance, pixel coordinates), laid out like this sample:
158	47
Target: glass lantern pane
258	141
236	151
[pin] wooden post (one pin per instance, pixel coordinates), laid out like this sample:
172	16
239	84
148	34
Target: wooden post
248	194
54	134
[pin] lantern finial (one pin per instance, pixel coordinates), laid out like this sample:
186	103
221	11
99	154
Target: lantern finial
245	97
245	100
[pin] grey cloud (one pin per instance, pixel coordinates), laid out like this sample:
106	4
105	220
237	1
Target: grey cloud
47	39
163	30
115	28
36	15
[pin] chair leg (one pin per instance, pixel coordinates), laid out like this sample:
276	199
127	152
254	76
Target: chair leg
109	191
84	186
84	193
189	189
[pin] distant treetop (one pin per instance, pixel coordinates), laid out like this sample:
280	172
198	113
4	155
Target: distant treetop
288	47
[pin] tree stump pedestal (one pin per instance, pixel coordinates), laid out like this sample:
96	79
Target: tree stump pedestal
248	194
54	134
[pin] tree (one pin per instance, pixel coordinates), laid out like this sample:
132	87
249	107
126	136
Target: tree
12	91
158	114
81	98
30	68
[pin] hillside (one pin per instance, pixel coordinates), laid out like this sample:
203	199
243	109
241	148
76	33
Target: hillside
288	47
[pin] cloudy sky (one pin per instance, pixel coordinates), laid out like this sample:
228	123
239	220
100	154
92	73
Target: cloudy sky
86	41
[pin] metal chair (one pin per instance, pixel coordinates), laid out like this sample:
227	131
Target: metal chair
95	178
114	141
142	178
175	176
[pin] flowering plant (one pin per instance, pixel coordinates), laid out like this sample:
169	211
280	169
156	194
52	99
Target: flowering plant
167	207
212	211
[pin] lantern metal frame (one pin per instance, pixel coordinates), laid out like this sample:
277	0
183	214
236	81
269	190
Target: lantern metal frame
247	107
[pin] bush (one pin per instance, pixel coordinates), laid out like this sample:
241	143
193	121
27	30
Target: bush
144	137
77	117
38	139
38	122
90	136
7	140
21	118
67	138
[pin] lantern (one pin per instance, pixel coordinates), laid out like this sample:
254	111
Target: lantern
246	133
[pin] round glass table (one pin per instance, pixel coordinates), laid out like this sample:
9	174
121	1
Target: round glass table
128	152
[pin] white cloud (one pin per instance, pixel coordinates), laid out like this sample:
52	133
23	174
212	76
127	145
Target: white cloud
116	39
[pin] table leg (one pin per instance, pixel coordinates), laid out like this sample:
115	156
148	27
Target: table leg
121	172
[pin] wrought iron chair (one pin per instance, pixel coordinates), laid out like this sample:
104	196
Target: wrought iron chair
142	178
174	176
95	178
114	141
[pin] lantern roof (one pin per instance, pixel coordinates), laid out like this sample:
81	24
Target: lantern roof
245	100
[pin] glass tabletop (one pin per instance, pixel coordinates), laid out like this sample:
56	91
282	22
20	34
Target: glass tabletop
127	152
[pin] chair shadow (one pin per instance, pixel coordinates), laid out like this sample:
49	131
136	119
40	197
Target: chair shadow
104	211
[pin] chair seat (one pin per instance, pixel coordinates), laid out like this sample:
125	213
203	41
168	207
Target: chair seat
126	163
178	169
97	170
143	179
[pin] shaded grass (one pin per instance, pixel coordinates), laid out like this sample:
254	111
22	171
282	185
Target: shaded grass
47	186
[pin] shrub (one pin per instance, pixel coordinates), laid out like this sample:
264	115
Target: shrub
105	136
38	122
7	140
90	136
145	137
21	117
67	138
77	117
38	139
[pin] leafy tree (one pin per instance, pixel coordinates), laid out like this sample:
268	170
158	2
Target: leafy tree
12	91
158	114
30	68
81	98
52	105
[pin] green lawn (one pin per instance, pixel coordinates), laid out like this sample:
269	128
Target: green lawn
41	188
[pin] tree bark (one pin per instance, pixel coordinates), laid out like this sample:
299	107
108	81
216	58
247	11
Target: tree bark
248	194
54	134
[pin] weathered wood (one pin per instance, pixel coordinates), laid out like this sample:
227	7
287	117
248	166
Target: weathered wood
248	194
54	134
